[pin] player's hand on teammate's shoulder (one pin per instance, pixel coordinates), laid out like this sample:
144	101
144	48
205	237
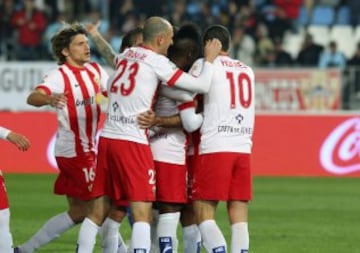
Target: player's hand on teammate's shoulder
212	49
19	140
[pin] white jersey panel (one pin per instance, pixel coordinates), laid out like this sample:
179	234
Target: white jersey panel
132	89
168	144
229	108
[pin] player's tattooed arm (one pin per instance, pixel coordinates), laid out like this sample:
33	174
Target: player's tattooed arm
102	45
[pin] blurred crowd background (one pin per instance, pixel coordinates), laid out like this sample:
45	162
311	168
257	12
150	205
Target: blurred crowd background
265	33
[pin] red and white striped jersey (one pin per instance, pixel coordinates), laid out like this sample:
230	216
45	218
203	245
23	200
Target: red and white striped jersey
132	90
78	120
168	144
229	107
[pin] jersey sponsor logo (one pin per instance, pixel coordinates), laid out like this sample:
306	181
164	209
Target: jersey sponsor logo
220	249
165	244
235	130
339	153
122	119
85	102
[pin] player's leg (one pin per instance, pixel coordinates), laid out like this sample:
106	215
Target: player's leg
111	239
190	230
56	226
240	193
212	238
212	177
71	182
140	236
169	216
6	241
98	210
171	196
238	212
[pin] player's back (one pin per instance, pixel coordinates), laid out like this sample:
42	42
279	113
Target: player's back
229	108
131	91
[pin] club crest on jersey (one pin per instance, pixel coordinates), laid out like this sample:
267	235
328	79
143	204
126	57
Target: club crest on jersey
239	118
97	80
115	106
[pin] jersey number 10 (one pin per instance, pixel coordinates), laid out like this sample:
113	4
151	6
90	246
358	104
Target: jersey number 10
243	80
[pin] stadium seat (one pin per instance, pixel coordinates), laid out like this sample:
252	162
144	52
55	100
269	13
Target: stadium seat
343	16
303	18
357	34
320	33
322	15
344	37
292	43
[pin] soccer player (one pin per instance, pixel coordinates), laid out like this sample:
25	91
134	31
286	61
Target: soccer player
72	89
169	143
23	144
222	171
131	91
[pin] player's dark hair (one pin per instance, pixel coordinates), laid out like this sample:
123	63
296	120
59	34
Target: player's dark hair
187	43
129	38
62	40
218	32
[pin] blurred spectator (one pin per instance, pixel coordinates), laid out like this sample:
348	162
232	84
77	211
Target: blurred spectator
7	7
243	46
289	11
309	54
94	16
332	57
263	43
178	13
277	57
354	70
50	31
275	15
29	23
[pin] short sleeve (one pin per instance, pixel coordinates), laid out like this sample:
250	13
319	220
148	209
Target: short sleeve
52	83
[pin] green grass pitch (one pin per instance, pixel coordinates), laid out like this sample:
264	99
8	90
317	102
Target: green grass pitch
287	215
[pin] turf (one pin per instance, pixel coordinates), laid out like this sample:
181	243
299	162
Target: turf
287	215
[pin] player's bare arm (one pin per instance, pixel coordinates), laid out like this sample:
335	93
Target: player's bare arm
149	119
39	98
102	45
20	141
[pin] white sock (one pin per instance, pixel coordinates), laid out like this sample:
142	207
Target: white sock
87	236
5	234
191	239
240	237
153	231
166	231
111	239
212	238
140	237
51	230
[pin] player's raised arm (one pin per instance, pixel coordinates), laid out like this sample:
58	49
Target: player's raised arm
102	45
201	84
